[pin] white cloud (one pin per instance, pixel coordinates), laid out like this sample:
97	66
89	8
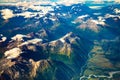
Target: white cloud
117	1
27	14
98	1
41	10
70	2
7	13
97	13
8	0
95	7
44	9
13	53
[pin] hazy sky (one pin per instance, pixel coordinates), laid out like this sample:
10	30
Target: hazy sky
48	0
2	1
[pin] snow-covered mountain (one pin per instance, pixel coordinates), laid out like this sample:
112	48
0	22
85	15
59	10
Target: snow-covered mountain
59	40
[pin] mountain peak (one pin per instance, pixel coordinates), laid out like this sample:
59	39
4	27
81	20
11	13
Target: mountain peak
68	38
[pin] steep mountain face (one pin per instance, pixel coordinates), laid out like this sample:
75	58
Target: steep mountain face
37	59
42	41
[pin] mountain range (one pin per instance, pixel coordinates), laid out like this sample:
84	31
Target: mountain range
56	41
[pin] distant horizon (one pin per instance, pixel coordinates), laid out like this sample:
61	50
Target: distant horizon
9	1
89	3
69	1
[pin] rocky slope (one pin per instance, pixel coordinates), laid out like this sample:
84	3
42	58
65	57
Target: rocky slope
41	41
29	58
